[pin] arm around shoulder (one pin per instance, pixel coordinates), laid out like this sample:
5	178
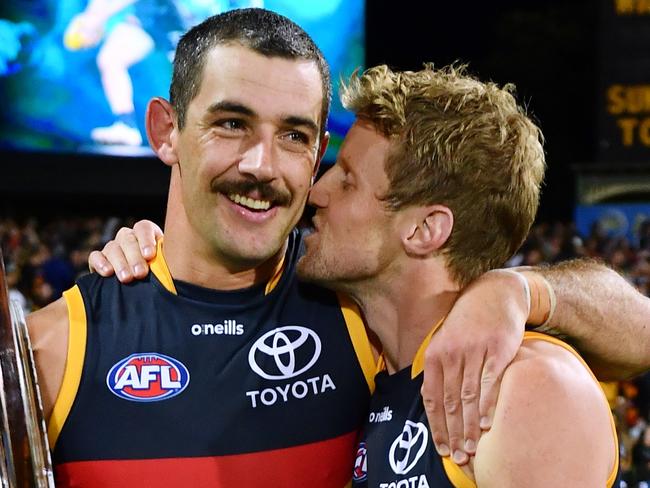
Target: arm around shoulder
603	315
552	426
48	331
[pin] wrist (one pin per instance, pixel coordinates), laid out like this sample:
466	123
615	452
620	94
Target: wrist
509	279
542	300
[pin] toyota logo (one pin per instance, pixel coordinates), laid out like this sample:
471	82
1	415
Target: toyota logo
412	435
294	350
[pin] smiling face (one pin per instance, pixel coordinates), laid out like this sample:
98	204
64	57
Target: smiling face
354	234
247	153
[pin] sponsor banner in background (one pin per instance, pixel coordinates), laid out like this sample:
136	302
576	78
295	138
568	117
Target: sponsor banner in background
624	88
616	220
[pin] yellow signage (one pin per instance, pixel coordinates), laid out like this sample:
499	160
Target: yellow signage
632	7
630	106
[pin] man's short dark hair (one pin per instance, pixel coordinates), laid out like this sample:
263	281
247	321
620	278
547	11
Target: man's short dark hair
262	31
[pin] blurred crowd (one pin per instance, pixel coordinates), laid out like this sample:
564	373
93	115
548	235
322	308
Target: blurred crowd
42	259
552	243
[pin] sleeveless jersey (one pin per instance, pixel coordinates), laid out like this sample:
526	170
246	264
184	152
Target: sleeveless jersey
207	388
396	449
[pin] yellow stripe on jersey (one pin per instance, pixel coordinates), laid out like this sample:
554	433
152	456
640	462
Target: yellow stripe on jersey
456	475
610	388
359	337
418	361
275	279
159	268
73	365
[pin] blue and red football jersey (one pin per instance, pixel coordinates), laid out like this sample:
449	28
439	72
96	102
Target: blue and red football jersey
168	384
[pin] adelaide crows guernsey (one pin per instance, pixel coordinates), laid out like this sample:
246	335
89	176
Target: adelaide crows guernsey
396	449
171	385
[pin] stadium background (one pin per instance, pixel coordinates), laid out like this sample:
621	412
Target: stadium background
581	68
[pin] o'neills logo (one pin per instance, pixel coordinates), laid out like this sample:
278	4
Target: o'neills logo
227	327
386	415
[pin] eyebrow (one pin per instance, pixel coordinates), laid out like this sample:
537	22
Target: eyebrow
345	164
294	120
239	108
226	106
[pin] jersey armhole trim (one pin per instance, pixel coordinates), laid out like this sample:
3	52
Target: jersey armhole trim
359	337
418	361
275	278
456	475
159	268
77	331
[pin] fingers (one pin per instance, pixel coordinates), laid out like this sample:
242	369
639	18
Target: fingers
451	393
114	253
433	406
98	263
129	262
441	394
470	393
147	233
452	403
127	255
493	370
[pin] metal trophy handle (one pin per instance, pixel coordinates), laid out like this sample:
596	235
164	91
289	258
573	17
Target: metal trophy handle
24	451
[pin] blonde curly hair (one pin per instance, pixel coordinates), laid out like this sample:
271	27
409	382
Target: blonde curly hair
458	142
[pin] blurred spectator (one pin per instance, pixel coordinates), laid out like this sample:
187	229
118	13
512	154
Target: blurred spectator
43	259
641	458
15	295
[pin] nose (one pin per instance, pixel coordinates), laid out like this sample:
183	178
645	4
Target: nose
319	195
257	159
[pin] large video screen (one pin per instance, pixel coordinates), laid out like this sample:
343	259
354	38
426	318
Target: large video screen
76	75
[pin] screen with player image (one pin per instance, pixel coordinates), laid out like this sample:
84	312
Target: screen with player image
76	75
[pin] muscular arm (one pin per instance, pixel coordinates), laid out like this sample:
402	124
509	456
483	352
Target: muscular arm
602	315
551	425
48	331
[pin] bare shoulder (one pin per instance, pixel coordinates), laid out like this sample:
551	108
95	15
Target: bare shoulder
48	332
552	425
52	314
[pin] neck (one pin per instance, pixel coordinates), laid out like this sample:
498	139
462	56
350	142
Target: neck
403	309
191	259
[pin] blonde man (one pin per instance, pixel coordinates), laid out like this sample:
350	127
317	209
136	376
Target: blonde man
438	182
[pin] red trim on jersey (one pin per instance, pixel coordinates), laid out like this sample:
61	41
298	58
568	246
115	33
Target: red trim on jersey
326	464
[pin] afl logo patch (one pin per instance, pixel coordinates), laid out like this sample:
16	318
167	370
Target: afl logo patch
147	377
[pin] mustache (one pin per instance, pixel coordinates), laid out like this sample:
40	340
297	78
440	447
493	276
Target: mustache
263	191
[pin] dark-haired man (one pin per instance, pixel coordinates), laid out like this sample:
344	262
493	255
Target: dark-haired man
231	373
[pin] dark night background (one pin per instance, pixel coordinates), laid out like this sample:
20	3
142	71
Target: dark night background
547	48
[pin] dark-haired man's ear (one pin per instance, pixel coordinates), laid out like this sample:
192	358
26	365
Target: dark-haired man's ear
427	229
161	129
